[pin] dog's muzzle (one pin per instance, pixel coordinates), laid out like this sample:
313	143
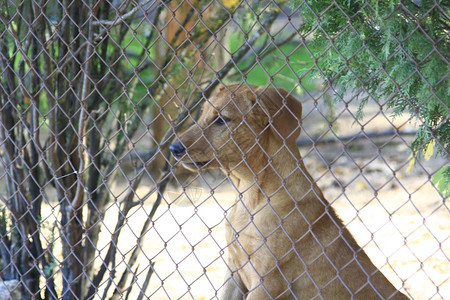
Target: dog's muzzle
177	149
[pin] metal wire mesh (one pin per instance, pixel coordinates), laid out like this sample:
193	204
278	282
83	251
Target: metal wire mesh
93	93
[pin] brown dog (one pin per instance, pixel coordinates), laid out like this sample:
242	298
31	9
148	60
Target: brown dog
284	240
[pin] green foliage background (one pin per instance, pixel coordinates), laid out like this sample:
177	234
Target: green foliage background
396	51
273	67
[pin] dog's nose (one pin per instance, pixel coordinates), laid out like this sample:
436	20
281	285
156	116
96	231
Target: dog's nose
177	149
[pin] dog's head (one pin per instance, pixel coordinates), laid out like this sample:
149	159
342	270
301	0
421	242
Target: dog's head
235	122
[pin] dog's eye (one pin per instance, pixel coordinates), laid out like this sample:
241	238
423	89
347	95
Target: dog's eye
219	120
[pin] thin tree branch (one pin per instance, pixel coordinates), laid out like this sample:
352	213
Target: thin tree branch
132	283
146	281
242	52
122	17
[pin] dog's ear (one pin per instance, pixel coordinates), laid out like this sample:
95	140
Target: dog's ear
284	112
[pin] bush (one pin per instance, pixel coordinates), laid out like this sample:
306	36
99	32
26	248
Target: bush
394	51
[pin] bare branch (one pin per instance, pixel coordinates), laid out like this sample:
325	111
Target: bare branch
82	123
147	281
121	16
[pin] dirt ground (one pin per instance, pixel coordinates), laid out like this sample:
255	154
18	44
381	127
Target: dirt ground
396	214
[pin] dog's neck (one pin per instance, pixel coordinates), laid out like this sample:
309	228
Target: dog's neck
278	171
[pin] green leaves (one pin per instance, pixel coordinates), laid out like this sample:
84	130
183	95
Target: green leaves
394	51
441	180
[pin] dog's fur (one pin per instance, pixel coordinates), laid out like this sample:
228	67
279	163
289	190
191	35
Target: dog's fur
283	239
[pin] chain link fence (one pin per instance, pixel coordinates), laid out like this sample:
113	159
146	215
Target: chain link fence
92	93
